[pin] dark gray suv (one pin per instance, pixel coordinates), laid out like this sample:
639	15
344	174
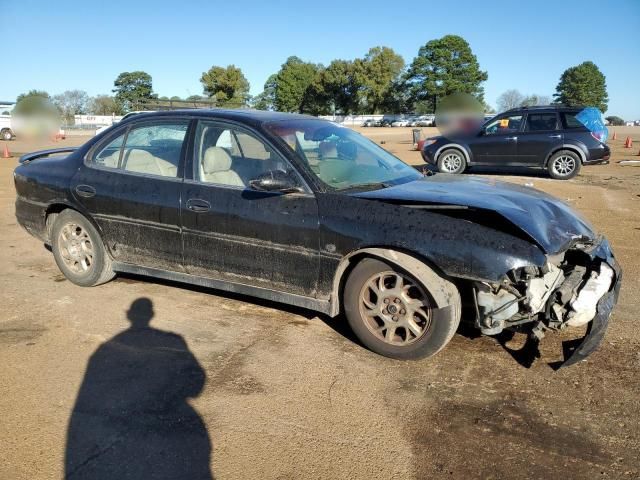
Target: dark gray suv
549	137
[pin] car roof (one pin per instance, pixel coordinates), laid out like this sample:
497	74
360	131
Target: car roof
548	108
240	115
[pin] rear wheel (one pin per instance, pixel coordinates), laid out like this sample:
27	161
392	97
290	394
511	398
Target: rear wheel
564	165
79	251
452	161
394	315
6	134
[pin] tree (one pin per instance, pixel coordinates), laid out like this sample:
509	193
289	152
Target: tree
445	66
104	105
535	100
133	88
615	120
293	84
509	99
228	86
71	103
583	85
340	87
34	102
266	99
378	72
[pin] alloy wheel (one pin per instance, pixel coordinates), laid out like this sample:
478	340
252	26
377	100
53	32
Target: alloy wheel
76	248
564	165
451	162
395	308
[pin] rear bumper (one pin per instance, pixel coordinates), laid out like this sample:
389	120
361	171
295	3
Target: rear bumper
31	216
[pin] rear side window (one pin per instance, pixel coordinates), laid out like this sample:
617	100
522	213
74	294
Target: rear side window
541	122
570	122
152	149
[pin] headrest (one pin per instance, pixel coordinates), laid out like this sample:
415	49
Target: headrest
328	149
216	159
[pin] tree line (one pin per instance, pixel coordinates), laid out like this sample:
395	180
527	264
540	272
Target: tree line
379	82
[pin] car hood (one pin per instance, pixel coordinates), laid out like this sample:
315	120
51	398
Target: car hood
551	223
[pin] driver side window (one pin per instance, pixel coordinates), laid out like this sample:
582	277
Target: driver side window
231	156
504	125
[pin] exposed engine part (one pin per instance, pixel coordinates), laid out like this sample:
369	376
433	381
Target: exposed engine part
495	308
540	288
570	285
584	306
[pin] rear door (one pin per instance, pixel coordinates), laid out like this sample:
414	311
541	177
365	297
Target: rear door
497	143
130	184
233	233
541	135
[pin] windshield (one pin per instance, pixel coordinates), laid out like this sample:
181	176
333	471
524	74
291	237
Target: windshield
341	158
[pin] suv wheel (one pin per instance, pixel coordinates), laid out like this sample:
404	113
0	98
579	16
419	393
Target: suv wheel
564	165
79	251
452	161
394	315
6	135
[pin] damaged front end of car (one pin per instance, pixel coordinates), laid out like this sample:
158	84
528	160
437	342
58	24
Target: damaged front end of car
574	288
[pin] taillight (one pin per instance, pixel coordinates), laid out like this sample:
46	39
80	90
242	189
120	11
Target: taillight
600	136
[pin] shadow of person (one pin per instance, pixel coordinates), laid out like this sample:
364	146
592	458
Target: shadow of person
131	419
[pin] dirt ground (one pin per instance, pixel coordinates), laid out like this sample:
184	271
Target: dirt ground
278	392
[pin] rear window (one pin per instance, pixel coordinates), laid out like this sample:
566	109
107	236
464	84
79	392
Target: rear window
570	121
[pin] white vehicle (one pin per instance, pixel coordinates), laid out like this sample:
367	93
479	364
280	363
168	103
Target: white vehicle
425	121
400	122
101	129
6	133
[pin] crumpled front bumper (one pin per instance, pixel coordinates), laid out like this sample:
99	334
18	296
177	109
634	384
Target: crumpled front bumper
598	326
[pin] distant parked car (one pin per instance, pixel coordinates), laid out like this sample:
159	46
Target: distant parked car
370	122
385	122
549	137
130	114
425	121
401	122
6	133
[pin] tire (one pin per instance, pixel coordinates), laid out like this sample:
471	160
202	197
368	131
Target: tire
430	328
78	250
6	135
452	161
564	165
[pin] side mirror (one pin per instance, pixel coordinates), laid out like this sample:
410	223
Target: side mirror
275	181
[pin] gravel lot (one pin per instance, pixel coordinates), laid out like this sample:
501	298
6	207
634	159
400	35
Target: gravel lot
249	389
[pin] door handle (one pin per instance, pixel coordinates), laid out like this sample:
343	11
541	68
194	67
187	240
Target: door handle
197	205
555	136
511	138
86	191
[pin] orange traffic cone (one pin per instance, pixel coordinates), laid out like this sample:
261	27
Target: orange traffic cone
615	136
6	153
628	143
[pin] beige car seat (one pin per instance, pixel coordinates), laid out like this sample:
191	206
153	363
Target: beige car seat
136	160
216	168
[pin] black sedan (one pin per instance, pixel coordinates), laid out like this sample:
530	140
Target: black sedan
303	211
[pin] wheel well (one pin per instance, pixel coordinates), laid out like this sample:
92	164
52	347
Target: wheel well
348	263
56	209
453	147
570	148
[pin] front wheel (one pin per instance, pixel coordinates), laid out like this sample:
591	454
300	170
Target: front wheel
564	165
394	315
452	161
79	251
7	135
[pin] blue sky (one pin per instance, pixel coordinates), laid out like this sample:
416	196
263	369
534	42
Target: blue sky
61	45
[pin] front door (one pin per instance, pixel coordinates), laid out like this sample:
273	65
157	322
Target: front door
236	234
540	136
131	187
497	143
